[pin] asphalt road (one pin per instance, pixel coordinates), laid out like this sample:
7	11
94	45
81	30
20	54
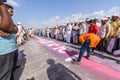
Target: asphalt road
46	59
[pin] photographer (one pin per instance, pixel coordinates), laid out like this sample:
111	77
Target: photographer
8	47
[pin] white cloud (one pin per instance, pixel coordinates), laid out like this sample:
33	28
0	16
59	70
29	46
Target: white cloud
73	18
80	16
53	21
114	10
98	14
13	2
33	23
76	17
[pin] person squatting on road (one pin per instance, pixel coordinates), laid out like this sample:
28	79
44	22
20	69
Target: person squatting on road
88	41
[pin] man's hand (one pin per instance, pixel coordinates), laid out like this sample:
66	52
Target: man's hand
3	34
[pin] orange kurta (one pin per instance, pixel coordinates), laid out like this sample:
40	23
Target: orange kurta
94	39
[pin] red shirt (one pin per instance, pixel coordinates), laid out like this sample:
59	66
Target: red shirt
93	29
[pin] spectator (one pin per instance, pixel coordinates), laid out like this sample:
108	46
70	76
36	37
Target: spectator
97	22
68	32
20	34
82	28
48	32
8	47
75	33
104	33
25	34
114	34
93	27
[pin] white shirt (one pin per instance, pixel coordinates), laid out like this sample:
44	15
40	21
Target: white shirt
83	29
19	29
48	30
69	29
98	24
104	30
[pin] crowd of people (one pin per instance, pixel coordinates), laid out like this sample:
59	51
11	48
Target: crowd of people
107	28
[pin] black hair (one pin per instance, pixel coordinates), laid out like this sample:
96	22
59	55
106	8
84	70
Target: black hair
8	6
92	21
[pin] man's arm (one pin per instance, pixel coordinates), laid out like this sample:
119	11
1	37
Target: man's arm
3	34
6	24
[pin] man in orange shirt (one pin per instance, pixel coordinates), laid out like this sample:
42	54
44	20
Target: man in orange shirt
88	41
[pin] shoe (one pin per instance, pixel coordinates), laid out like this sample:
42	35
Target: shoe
92	53
75	62
87	57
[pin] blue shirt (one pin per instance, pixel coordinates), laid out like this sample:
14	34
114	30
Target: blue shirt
7	44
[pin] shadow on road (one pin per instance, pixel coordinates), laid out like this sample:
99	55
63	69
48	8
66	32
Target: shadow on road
21	63
57	71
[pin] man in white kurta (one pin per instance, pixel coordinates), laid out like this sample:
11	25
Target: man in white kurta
104	33
68	32
20	34
82	28
48	32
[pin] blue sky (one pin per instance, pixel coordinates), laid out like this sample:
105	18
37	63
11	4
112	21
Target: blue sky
37	13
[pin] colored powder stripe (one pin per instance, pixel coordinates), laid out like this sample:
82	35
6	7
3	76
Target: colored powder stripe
100	70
